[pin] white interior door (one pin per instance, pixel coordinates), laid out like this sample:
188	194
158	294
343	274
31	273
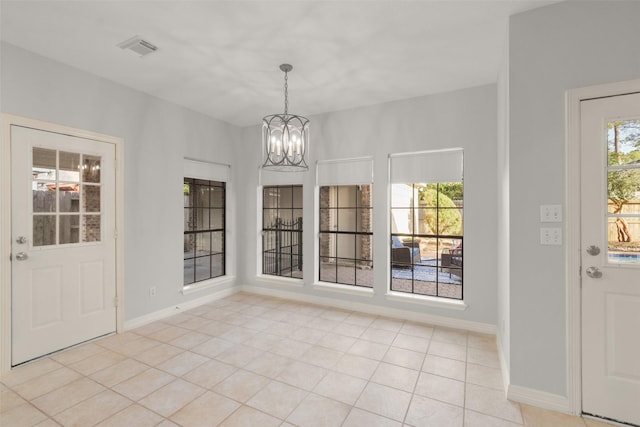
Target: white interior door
63	284
610	245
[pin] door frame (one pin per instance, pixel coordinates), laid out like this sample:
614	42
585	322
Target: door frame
6	121
573	226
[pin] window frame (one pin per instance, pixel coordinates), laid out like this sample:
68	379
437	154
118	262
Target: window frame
414	238
334	234
290	235
210	184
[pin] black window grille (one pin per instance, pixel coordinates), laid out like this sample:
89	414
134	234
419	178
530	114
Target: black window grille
426	239
282	231
204	230
346	235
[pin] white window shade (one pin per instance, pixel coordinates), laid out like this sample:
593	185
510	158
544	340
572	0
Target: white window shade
270	177
206	170
426	166
345	171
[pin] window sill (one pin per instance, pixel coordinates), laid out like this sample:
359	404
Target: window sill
279	280
426	300
344	289
206	284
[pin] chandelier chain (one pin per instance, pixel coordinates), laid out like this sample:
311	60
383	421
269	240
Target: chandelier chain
286	93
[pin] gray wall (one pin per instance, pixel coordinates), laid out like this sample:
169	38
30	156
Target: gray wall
465	118
157	136
552	49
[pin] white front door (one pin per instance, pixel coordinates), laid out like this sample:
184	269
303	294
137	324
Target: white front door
610	247
63	283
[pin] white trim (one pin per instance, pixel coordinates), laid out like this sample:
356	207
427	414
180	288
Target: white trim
280	280
207	284
538	398
427	300
572	191
175	309
377	310
344	289
504	367
6	121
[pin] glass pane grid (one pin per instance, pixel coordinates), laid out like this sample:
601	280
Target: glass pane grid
623	196
346	235
204	230
426	239
282	231
59	191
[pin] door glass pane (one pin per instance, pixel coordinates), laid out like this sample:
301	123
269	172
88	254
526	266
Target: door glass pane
623	191
69	167
90	198
69	229
44	230
91	168
91	228
622	142
69	197
44	197
44	163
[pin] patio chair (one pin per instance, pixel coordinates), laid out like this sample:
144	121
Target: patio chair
403	256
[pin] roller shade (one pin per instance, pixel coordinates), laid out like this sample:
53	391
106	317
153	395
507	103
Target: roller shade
426	166
206	170
269	177
345	171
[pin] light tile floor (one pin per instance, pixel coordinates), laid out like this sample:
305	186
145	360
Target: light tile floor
249	360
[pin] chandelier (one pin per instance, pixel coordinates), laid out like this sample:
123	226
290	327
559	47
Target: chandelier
285	137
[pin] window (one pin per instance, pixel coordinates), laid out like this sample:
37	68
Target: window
346	235
282	230
66	190
427	224
204	229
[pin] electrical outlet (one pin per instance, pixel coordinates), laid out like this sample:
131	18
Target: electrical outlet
152	291
551	236
550	213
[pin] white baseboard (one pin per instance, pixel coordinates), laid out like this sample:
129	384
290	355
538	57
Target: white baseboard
175	309
468	325
538	398
504	366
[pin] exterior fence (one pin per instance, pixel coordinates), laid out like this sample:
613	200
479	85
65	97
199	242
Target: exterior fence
633	224
282	247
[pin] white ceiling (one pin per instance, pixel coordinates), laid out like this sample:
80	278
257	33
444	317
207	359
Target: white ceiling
221	58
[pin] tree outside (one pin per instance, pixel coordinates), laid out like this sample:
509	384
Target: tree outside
447	218
623	183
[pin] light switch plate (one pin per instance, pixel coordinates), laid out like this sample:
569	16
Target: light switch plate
550	213
550	236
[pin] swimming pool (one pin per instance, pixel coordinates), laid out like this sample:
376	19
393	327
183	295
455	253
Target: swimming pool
620	258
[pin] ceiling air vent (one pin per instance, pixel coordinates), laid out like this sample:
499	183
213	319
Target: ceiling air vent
138	45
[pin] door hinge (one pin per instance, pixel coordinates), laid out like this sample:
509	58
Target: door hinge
115	301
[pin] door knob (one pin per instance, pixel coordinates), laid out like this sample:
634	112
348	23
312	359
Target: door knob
21	256
594	272
593	250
